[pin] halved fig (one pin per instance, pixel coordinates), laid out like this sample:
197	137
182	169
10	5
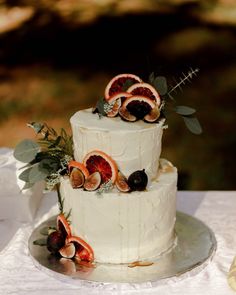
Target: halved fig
68	251
74	164
139	106
81	247
153	115
76	178
125	115
93	181
122	183
63	225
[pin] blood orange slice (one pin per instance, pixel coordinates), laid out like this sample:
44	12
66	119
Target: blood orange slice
98	161
117	84
63	225
139	106
146	90
116	101
81	247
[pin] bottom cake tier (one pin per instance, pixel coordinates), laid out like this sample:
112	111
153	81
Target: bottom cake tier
125	227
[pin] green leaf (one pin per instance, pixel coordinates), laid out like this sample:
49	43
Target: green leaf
184	111
49	165
44	231
151	78
38	127
160	84
36	174
55	143
25	175
192	124
100	106
27	185
26	150
40	242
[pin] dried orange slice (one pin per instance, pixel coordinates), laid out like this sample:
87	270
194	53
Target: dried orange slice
98	161
81	247
63	225
145	89
117	83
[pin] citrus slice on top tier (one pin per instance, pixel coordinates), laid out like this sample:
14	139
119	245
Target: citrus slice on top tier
138	106
145	89
98	161
116	102
117	83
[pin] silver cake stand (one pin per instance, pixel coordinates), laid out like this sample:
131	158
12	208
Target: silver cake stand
195	248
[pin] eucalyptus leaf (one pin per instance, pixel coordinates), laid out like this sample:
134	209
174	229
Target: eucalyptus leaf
40	242
26	150
49	165
184	110
25	175
160	84
151	78
192	124
36	126
28	185
36	174
44	231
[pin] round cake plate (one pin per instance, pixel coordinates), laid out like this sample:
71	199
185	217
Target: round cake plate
195	247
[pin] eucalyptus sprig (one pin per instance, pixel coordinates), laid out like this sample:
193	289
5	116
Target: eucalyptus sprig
46	158
186	112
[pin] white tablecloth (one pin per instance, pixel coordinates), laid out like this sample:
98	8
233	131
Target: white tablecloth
18	274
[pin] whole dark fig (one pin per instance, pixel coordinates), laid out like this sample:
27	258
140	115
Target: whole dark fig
55	241
138	180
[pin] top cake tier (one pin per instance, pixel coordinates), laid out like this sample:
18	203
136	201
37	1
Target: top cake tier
134	146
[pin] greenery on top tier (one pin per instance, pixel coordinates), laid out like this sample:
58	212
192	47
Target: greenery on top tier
169	103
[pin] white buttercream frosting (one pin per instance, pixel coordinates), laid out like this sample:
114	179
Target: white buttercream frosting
133	146
125	227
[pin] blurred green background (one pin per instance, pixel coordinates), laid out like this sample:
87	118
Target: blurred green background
56	57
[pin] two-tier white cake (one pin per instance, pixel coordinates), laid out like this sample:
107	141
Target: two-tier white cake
123	227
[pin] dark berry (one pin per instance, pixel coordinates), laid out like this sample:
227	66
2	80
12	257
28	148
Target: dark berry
138	180
55	241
